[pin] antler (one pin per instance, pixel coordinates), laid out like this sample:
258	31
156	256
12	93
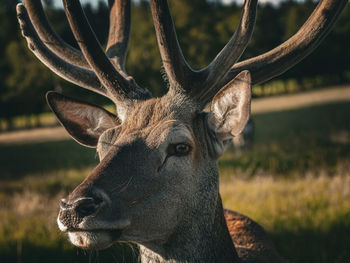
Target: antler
73	65
202	85
109	70
296	48
179	72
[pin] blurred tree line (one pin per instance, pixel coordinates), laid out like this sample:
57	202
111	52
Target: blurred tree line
203	27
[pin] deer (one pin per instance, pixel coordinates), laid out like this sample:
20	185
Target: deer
244	141
157	182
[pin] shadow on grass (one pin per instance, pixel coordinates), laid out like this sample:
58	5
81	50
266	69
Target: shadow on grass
25	252
17	161
331	246
306	246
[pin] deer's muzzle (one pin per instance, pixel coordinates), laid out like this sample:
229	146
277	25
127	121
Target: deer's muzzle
73	212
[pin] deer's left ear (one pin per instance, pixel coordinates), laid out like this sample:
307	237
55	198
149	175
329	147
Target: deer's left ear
230	108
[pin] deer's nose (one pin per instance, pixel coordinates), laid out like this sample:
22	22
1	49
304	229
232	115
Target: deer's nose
83	206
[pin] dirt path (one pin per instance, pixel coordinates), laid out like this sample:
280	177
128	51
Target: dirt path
34	135
279	103
295	101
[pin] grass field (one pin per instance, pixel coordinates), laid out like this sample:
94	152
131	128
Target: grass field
295	182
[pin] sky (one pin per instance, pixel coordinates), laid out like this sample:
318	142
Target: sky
58	3
260	1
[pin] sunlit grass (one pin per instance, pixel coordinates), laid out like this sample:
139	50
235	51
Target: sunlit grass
308	218
314	202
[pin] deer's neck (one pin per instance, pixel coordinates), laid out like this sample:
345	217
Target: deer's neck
205	238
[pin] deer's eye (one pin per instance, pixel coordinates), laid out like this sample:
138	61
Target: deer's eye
179	149
182	148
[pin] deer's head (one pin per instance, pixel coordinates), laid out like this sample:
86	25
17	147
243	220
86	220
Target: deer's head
157	156
157	165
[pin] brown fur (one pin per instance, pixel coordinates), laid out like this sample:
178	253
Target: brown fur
250	239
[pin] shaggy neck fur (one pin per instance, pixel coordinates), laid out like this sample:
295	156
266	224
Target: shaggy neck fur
205	238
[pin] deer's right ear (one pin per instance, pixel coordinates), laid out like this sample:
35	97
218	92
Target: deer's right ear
84	122
230	110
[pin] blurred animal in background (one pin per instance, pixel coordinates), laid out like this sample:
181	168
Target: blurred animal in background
245	140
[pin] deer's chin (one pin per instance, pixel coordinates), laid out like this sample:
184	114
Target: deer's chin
93	239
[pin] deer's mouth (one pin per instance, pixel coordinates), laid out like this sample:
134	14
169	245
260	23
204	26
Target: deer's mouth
94	239
93	234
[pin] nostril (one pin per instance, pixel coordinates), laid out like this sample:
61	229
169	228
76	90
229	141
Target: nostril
86	206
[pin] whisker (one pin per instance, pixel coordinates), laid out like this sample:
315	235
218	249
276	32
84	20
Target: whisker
123	186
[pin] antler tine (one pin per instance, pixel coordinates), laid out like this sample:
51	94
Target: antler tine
289	53
77	75
176	67
119	87
119	32
233	50
50	38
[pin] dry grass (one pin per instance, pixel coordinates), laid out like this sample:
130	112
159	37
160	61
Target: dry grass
307	218
315	202
302	214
